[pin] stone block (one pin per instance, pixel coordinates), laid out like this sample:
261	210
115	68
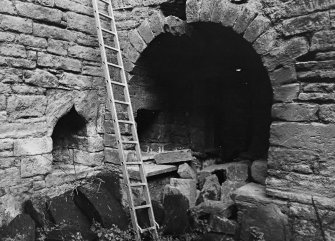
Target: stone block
38	12
88	158
243	20
187	187
58	47
49	3
321	97
99	205
307	23
186	171
85	53
323	40
210	207
267	41
23	106
10	177
22	227
23	130
80	22
151	170
3	102
58	62
156	22
173	157
175	26
258	26
31	41
32	146
36	165
18	62
234	171
130	53
41	78
13	50
230	14
47	31
284	75
16	24
145	31
112	156
74	6
227	189
327	113
295	112
136	40
205	10
7	7
211	189
259	170
318	87
7	37
192	10
286	93
176	206
223	225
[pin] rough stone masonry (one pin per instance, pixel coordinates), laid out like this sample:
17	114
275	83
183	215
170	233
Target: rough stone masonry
50	67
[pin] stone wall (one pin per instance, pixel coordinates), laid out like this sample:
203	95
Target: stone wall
50	62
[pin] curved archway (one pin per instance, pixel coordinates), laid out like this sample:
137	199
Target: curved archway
206	89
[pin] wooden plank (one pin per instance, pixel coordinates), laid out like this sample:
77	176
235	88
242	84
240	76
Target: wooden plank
174	156
151	169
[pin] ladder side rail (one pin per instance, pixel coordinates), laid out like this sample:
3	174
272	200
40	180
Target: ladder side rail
131	118
114	115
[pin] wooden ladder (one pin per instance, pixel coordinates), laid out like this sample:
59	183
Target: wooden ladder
122	113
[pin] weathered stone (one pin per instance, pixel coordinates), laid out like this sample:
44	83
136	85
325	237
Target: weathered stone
210	207
58	62
22	106
205	10
87	158
311	22
327	113
22	227
3	102
192	10
156	23
223	225
137	41
259	171
10	177
73	6
16	24
211	189
325	97
175	26
47	31
230	14
112	156
323	40
58	47
13	50
84	53
18	62
258	26
284	75
227	189
131	53
234	171
173	157
286	93
175	206
145	31
36	165
22	130
7	37
264	43
32	146
49	3
98	204
187	188
318	87
38	12
243	20
286	53
31	41
187	172
80	22
41	78
7	7
295	112
151	170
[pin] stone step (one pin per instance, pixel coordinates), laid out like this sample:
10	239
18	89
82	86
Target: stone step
174	156
151	169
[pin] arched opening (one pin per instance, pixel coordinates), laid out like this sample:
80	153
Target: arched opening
205	90
68	136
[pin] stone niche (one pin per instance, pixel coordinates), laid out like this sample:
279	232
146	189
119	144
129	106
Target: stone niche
205	89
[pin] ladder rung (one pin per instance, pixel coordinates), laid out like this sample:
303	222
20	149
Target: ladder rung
106	16
121	102
115	65
118	83
147	229
133	163
107	2
107	31
138	184
129	142
143	206
112	48
126	122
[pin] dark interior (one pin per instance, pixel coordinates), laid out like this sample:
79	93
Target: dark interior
204	90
